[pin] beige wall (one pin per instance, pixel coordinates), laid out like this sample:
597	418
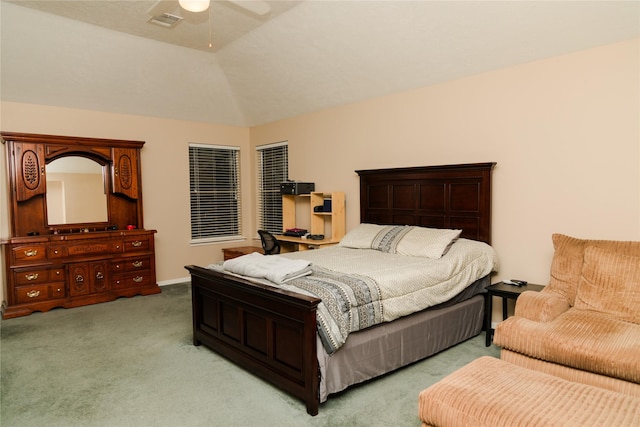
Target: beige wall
564	132
165	171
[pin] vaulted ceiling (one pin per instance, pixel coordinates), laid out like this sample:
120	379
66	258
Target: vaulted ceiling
298	57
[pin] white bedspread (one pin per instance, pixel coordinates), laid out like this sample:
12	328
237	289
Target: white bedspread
409	284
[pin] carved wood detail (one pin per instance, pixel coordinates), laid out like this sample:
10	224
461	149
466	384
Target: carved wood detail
125	172
29	161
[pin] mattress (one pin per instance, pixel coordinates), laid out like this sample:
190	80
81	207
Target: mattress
409	284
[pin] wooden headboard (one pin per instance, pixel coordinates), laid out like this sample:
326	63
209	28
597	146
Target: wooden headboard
450	196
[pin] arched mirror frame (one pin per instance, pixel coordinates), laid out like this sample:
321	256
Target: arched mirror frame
28	155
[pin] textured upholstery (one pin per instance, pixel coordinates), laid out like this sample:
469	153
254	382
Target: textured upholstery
541	306
610	284
580	339
571	374
492	392
586	319
568	257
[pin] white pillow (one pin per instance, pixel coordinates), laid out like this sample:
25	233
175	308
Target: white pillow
361	237
427	242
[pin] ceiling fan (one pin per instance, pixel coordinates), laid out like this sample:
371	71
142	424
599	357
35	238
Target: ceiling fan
257	7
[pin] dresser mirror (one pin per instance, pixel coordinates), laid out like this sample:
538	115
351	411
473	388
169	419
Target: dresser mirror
76	191
67	185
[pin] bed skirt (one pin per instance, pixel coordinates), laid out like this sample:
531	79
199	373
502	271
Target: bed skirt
383	348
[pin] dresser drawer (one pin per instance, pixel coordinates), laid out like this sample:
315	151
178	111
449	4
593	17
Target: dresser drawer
136	244
117	246
56	252
37	276
29	253
88	248
131	264
43	292
131	280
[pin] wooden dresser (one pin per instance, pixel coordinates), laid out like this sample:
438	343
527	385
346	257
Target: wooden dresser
74	260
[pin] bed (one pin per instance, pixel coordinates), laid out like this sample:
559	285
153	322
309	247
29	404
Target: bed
273	333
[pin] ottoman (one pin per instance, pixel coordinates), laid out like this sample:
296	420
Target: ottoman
492	392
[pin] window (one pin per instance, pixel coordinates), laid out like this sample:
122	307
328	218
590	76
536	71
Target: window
214	184
273	169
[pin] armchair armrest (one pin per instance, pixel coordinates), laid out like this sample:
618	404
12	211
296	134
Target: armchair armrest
541	306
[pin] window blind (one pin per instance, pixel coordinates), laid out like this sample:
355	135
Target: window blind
273	169
214	179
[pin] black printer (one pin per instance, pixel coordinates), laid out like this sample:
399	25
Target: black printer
295	187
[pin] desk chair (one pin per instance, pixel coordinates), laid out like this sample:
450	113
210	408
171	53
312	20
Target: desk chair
270	244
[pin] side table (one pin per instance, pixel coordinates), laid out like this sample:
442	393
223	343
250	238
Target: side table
230	253
506	292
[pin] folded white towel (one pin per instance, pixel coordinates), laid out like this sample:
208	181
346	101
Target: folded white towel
271	267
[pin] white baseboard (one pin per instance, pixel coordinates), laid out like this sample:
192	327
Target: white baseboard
174	281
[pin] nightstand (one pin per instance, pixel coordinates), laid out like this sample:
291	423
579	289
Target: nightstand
506	292
230	253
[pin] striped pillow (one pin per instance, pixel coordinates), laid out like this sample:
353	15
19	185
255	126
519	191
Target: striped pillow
383	238
401	239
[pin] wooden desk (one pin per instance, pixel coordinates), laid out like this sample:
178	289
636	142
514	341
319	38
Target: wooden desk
230	253
300	244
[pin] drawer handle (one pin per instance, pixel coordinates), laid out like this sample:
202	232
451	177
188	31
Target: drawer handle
99	276
137	264
137	279
31	276
136	244
79	278
31	252
33	294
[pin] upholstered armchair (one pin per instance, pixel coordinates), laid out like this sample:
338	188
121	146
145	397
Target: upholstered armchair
585	325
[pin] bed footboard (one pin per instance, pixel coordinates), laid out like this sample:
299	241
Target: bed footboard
268	331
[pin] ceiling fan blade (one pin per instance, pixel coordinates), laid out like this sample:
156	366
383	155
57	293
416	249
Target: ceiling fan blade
254	6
